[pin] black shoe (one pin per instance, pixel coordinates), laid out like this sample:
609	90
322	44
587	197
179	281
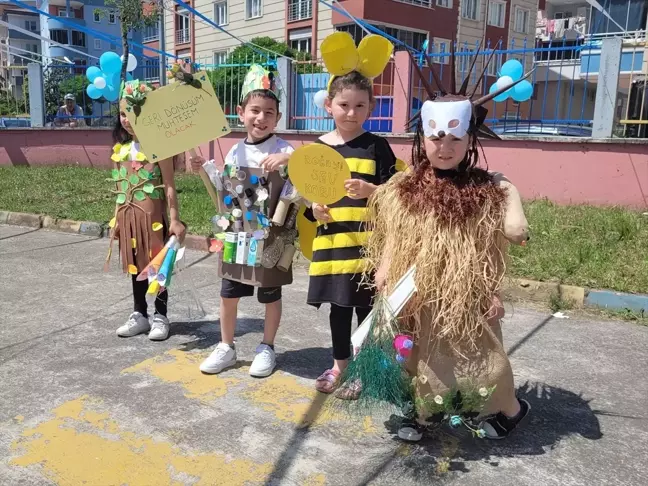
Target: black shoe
500	426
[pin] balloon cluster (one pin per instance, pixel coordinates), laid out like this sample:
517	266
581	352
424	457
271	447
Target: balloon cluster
511	71
403	345
105	79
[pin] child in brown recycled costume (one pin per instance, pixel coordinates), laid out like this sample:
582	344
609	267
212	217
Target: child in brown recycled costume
145	192
454	221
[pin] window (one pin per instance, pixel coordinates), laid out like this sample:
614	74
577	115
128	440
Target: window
299	10
300	39
414	39
60	36
521	20
418	3
151	33
97	44
96	15
62	12
78	38
495	63
470	9
439	48
253	9
112	18
183	32
444	3
220	57
496	13
30	25
220	13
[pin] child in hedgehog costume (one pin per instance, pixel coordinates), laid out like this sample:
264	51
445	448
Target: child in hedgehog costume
453	221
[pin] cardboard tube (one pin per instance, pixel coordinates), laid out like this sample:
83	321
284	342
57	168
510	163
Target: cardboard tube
280	212
286	259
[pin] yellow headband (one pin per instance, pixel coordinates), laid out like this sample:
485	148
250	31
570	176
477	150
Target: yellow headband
341	56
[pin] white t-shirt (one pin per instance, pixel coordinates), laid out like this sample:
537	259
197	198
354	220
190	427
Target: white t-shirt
247	154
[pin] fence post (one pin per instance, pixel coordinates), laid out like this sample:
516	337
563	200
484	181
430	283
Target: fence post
284	69
402	83
607	89
36	94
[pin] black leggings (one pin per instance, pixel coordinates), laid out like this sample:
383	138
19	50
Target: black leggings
341	319
139	297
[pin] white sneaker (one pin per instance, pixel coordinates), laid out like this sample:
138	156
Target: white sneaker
159	328
137	324
222	357
264	361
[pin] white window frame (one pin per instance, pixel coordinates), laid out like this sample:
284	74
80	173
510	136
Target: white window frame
501	20
438	42
495	64
62	12
220	3
525	28
112	14
28	25
223	53
97	44
248	9
465	4
417	3
444	3
96	15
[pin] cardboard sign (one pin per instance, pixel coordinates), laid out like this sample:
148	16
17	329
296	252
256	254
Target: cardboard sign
177	118
318	172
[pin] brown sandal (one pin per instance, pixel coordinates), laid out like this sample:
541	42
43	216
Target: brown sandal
328	381
349	391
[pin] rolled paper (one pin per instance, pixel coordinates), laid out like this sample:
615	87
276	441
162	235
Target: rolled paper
167	264
280	212
157	261
286	259
167	282
154	287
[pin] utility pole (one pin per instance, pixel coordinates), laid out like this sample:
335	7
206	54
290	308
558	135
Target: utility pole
162	44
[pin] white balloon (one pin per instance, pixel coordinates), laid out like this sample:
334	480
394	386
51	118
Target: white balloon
319	98
504	81
99	82
132	63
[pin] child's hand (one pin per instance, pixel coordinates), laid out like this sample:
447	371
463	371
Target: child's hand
359	189
196	163
274	162
321	212
178	229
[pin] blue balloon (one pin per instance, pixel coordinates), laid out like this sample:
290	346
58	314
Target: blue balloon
110	63
113	80
93	92
522	91
129	77
501	97
111	93
512	68
93	72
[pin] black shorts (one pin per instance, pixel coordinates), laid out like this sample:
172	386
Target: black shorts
235	290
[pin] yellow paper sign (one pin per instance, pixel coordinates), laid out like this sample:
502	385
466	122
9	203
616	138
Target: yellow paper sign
178	118
318	172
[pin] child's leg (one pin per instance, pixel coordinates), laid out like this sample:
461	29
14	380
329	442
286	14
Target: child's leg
271	297
228	313
138	321
161	303
340	321
140	287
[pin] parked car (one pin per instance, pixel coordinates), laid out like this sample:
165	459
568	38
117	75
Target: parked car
15	122
541	130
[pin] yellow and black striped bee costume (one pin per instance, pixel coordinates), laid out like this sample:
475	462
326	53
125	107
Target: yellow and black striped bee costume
337	264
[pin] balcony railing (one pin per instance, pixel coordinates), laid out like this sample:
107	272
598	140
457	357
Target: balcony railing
300	10
559	28
183	36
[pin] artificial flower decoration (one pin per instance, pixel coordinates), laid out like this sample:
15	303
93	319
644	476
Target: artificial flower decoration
258	78
121	153
134	92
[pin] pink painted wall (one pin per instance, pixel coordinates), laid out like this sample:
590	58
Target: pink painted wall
562	170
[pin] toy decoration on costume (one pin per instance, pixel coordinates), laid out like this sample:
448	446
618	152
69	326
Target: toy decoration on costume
105	79
135	93
159	271
341	57
436	220
256	78
510	72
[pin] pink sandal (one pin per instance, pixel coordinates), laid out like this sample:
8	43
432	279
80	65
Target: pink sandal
328	381
349	391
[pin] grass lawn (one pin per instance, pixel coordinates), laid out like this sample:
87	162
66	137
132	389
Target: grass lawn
593	247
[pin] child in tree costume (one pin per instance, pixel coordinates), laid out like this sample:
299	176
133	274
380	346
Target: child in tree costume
453	220
144	192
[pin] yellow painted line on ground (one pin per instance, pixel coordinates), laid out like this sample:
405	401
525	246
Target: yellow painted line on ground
83	445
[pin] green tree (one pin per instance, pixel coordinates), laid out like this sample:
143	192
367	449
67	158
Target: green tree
134	15
227	80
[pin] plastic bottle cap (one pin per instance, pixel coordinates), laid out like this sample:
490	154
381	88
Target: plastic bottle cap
254	179
228	200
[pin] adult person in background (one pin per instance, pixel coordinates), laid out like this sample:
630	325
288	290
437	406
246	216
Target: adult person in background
70	114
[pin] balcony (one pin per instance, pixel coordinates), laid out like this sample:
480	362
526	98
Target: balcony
571	28
54	24
182	36
300	10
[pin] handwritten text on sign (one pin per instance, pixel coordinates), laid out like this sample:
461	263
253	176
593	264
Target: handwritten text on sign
318	172
178	118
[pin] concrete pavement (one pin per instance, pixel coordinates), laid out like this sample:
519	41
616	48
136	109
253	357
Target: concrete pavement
78	405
